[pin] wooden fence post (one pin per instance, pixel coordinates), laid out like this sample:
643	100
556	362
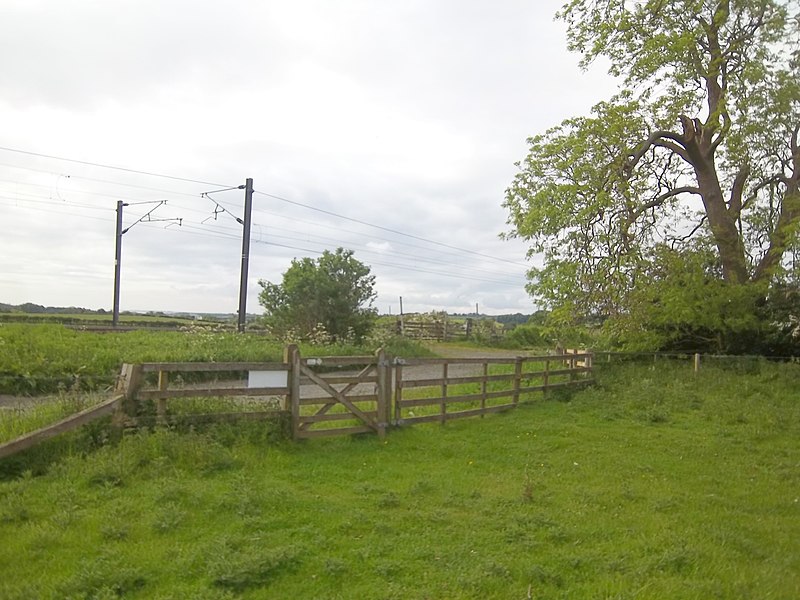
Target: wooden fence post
546	376
444	393
398	390
383	408
161	406
572	366
696	362
484	386
292	353
130	383
287	360
517	378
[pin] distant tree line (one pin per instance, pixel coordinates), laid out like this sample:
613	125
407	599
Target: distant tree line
31	308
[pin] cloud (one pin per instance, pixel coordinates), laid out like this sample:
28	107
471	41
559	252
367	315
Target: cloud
408	116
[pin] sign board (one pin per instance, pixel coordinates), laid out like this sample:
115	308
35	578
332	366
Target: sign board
267	379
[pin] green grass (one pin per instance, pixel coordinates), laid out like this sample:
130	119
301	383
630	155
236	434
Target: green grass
14	317
24	416
655	484
37	359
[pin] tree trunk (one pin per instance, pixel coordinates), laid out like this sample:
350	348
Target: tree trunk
700	151
723	225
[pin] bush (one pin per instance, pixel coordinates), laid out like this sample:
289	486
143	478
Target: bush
528	336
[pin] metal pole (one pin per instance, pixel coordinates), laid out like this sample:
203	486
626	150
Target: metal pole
402	325
117	260
248	209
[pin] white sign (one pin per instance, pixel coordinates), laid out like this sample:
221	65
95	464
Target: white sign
267	379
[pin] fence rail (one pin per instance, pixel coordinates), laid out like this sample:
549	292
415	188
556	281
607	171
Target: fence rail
460	395
327	396
79	419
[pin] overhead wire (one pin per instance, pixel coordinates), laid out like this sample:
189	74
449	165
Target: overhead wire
371	251
403	267
387	229
360	233
106	181
223	235
114	167
267	194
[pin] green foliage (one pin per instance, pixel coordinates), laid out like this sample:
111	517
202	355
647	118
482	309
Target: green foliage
528	336
696	155
656	483
331	296
686	307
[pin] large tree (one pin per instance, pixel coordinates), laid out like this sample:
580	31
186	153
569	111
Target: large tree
691	170
335	291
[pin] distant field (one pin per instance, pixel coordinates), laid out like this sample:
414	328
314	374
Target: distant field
101	319
654	484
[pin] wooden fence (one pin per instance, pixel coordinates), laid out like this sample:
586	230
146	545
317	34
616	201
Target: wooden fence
433	331
470	387
448	330
326	396
140	383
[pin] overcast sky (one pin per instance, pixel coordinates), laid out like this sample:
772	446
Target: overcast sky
406	115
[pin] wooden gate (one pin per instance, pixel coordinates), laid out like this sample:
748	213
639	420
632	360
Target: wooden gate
331	397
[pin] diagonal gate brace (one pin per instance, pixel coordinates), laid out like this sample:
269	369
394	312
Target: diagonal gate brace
334	393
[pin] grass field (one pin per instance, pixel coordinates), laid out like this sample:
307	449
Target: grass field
37	359
653	484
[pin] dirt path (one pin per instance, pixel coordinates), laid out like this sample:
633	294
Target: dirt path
450	351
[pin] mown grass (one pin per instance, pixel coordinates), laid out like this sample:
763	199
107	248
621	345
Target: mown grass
654	484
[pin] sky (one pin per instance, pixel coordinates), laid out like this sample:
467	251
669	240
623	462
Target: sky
390	128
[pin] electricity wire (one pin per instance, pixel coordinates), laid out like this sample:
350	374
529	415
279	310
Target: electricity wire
220	204
275	196
382	228
114	167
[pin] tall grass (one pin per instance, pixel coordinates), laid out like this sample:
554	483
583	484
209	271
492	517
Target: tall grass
653	484
36	359
23	416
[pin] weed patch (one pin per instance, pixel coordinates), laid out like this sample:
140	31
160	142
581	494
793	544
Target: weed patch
240	569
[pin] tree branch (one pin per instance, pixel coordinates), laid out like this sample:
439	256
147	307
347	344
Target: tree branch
674	148
761	185
665	139
690	234
658	201
726	125
788	217
735	204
